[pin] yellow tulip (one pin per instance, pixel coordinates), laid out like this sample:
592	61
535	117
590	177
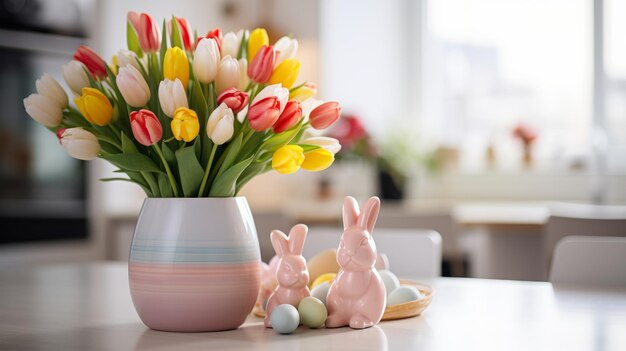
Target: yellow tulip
303	93
258	38
286	73
175	65
185	124
114	64
318	160
288	159
95	107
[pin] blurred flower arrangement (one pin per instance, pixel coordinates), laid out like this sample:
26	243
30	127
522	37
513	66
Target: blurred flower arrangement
395	158
189	118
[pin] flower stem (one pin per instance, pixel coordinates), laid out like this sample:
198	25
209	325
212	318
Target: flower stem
170	176
207	170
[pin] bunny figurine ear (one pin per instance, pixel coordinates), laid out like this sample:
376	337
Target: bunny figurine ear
297	236
368	217
350	212
280	243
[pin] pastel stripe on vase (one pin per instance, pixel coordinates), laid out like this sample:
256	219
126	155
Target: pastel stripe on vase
194	264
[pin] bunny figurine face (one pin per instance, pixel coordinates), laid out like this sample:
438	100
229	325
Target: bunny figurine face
292	270
357	250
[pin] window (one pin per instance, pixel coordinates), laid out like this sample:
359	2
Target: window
491	64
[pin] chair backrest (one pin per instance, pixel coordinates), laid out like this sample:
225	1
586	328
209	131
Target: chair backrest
412	253
590	261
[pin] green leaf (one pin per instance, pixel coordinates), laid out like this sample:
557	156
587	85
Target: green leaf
164	185
115	179
190	171
139	179
133	162
197	148
254	169
170	157
127	144
132	41
154	187
225	184
232	150
199	103
279	140
309	147
175	38
163	44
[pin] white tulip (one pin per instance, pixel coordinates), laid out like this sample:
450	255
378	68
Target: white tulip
172	96
273	90
330	144
244	80
80	143
75	76
206	60
127	57
220	127
230	44
43	110
133	86
227	74
49	87
285	48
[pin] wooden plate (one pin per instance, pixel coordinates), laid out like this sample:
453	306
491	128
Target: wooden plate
404	310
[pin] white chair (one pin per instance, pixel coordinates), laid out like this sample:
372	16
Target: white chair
411	253
590	261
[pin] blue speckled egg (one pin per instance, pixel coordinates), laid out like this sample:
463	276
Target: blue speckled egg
285	319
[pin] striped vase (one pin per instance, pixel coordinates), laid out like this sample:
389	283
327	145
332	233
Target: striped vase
194	264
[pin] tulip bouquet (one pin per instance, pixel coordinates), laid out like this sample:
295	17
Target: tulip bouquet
189	118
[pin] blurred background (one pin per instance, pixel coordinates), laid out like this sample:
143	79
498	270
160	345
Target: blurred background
501	124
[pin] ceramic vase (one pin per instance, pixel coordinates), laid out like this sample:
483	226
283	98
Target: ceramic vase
194	264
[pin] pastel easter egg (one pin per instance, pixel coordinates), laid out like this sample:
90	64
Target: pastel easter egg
327	277
312	312
390	280
403	294
323	262
285	319
319	292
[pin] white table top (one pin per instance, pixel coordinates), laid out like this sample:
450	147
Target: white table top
88	307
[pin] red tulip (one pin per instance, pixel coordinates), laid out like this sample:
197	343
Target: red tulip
325	115
185	32
147	31
264	113
95	65
235	99
290	116
262	65
214	34
146	127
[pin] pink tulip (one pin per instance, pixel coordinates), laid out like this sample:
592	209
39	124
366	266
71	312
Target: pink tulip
94	63
147	31
262	65
146	127
325	115
235	99
289	118
263	114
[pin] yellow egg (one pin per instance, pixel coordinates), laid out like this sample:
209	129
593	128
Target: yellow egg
323	262
327	277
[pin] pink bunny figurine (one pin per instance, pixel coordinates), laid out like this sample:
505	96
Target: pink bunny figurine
292	273
357	296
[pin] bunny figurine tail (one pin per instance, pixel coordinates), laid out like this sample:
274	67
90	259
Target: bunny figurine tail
357	296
